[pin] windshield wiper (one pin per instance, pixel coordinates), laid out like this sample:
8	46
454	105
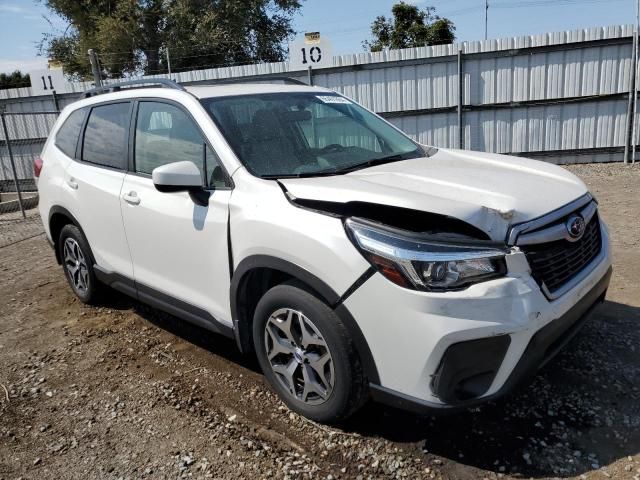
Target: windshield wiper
319	173
349	168
375	161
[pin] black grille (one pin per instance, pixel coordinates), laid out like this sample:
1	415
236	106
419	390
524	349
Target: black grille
555	263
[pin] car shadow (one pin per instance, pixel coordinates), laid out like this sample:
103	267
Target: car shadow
581	413
212	342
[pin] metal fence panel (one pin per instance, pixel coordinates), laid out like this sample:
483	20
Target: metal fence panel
22	137
527	129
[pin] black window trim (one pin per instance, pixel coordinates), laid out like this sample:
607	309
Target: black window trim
80	145
132	137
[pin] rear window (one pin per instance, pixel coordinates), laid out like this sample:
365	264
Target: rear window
67	136
106	136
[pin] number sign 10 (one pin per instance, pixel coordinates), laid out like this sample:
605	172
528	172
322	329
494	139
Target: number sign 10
314	55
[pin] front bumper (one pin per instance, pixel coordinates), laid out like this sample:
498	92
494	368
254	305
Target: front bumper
444	351
543	346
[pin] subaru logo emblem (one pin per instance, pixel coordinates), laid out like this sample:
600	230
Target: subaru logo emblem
575	227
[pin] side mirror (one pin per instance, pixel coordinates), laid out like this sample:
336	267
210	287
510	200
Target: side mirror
177	177
181	177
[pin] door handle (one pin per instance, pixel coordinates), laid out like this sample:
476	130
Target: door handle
131	198
72	183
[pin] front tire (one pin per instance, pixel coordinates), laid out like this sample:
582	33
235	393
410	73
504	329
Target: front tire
77	262
307	355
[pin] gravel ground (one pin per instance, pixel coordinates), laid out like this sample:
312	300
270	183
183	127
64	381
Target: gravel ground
124	391
14	228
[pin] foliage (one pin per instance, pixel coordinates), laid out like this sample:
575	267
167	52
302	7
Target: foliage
410	27
133	36
14	80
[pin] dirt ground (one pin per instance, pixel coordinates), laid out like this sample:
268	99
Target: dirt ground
124	391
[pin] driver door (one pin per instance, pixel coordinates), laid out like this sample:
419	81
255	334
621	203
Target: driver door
178	248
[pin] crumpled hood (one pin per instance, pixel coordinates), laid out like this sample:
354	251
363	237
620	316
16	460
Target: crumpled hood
489	191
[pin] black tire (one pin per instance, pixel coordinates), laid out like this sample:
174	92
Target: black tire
349	386
92	293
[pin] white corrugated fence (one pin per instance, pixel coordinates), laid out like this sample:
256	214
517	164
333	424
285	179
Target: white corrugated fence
561	96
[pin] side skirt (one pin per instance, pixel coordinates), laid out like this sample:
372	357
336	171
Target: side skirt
164	302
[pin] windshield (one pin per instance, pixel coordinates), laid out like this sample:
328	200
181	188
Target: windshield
306	134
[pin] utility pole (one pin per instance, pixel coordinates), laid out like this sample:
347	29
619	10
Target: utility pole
95	67
168	62
486	18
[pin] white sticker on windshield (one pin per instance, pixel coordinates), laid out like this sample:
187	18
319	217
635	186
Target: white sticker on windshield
332	99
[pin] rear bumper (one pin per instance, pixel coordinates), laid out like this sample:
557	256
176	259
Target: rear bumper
542	347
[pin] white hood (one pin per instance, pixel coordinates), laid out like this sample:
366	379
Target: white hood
488	191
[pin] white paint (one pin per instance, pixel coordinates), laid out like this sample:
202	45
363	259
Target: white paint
185	174
458	183
178	247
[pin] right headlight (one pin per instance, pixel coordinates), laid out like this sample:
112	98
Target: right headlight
415	261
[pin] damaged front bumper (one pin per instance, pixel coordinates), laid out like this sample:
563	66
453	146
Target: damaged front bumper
442	352
542	347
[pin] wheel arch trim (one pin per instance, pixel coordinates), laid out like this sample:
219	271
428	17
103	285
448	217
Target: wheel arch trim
58	210
242	329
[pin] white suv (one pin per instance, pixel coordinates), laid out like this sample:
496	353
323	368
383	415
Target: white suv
351	260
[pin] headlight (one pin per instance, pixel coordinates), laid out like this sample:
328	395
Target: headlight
415	261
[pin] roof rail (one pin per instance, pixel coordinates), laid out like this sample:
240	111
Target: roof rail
265	79
149	82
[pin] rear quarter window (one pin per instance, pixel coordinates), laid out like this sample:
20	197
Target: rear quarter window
67	136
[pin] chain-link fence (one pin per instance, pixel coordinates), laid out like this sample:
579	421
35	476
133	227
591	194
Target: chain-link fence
22	136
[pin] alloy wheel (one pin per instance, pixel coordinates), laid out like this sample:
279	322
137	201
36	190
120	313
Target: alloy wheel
299	356
76	265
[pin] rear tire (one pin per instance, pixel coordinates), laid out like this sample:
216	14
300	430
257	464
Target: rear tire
307	354
77	263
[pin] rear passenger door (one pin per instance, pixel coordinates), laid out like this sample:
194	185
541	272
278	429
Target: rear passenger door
179	249
93	182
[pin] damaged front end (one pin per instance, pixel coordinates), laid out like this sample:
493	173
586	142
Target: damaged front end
416	249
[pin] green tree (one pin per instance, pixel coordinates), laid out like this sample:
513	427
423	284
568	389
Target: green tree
14	80
409	27
133	36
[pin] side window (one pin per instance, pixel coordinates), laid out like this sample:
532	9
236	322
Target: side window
166	134
215	173
106	136
67	136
